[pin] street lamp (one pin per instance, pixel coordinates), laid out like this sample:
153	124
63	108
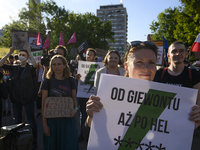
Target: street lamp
104	26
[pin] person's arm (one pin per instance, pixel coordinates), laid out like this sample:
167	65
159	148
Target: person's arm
45	125
31	57
197	86
12	49
92	105
74	112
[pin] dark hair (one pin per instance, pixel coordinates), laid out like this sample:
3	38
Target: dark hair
66	71
105	61
63	48
11	57
132	50
24	51
92	50
177	43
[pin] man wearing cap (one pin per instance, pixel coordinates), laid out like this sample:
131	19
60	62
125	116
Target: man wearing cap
22	91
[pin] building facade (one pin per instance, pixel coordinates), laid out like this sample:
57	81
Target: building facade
118	15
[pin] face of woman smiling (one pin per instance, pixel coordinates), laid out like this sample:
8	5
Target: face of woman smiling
142	65
113	60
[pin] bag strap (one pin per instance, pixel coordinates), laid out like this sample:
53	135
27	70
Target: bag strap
49	85
189	70
163	72
190	75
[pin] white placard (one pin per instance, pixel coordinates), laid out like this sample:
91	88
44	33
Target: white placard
127	120
86	82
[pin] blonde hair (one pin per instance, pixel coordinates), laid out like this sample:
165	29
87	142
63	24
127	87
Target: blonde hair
66	71
129	54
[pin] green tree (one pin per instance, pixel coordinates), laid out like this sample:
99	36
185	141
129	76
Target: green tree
188	21
165	25
50	17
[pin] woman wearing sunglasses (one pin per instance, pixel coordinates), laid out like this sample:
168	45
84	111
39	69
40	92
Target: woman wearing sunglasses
140	63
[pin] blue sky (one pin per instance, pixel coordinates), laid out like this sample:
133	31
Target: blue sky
140	12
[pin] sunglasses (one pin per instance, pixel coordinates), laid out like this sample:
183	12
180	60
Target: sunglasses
137	43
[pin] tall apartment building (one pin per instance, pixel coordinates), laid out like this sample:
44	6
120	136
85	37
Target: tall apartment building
119	17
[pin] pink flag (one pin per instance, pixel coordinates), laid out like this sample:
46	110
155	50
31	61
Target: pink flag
46	43
149	37
72	39
38	39
196	45
61	41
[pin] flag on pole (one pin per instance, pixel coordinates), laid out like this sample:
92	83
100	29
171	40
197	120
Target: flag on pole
38	39
149	37
46	43
72	39
196	45
166	46
61	41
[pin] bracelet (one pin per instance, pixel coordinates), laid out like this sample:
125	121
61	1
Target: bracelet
76	108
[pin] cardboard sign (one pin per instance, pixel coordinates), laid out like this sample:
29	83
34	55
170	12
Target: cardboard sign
86	82
101	53
20	40
139	114
56	107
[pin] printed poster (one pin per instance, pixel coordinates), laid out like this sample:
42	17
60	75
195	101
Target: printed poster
86	83
20	40
142	115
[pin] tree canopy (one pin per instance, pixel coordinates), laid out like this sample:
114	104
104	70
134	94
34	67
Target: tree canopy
47	16
180	23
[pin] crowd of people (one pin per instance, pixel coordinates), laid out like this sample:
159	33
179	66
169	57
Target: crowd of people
27	83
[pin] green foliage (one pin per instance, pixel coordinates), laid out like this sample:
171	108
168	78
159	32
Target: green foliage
50	17
181	23
165	25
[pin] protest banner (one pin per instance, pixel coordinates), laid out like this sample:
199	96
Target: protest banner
37	55
20	40
86	82
101	52
56	107
159	44
139	114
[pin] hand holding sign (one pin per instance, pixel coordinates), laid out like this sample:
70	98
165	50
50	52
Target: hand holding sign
93	105
195	115
12	49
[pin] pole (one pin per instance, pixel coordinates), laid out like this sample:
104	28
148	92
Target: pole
104	37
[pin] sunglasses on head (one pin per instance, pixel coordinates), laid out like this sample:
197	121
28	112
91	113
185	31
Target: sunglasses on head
137	43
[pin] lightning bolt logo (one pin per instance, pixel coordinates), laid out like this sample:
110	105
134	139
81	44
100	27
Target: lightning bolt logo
92	70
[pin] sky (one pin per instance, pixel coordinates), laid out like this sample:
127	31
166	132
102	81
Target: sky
141	13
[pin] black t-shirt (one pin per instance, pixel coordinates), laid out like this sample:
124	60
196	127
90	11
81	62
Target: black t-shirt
182	79
59	88
11	68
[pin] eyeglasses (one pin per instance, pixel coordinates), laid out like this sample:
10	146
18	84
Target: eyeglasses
137	43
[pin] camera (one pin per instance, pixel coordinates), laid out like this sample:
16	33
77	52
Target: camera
46	57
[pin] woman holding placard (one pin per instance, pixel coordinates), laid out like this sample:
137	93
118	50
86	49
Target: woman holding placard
60	133
111	62
140	63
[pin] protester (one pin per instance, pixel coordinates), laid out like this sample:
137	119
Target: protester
179	75
11	59
22	93
59	133
91	57
140	63
16	57
111	62
39	72
3	95
6	102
